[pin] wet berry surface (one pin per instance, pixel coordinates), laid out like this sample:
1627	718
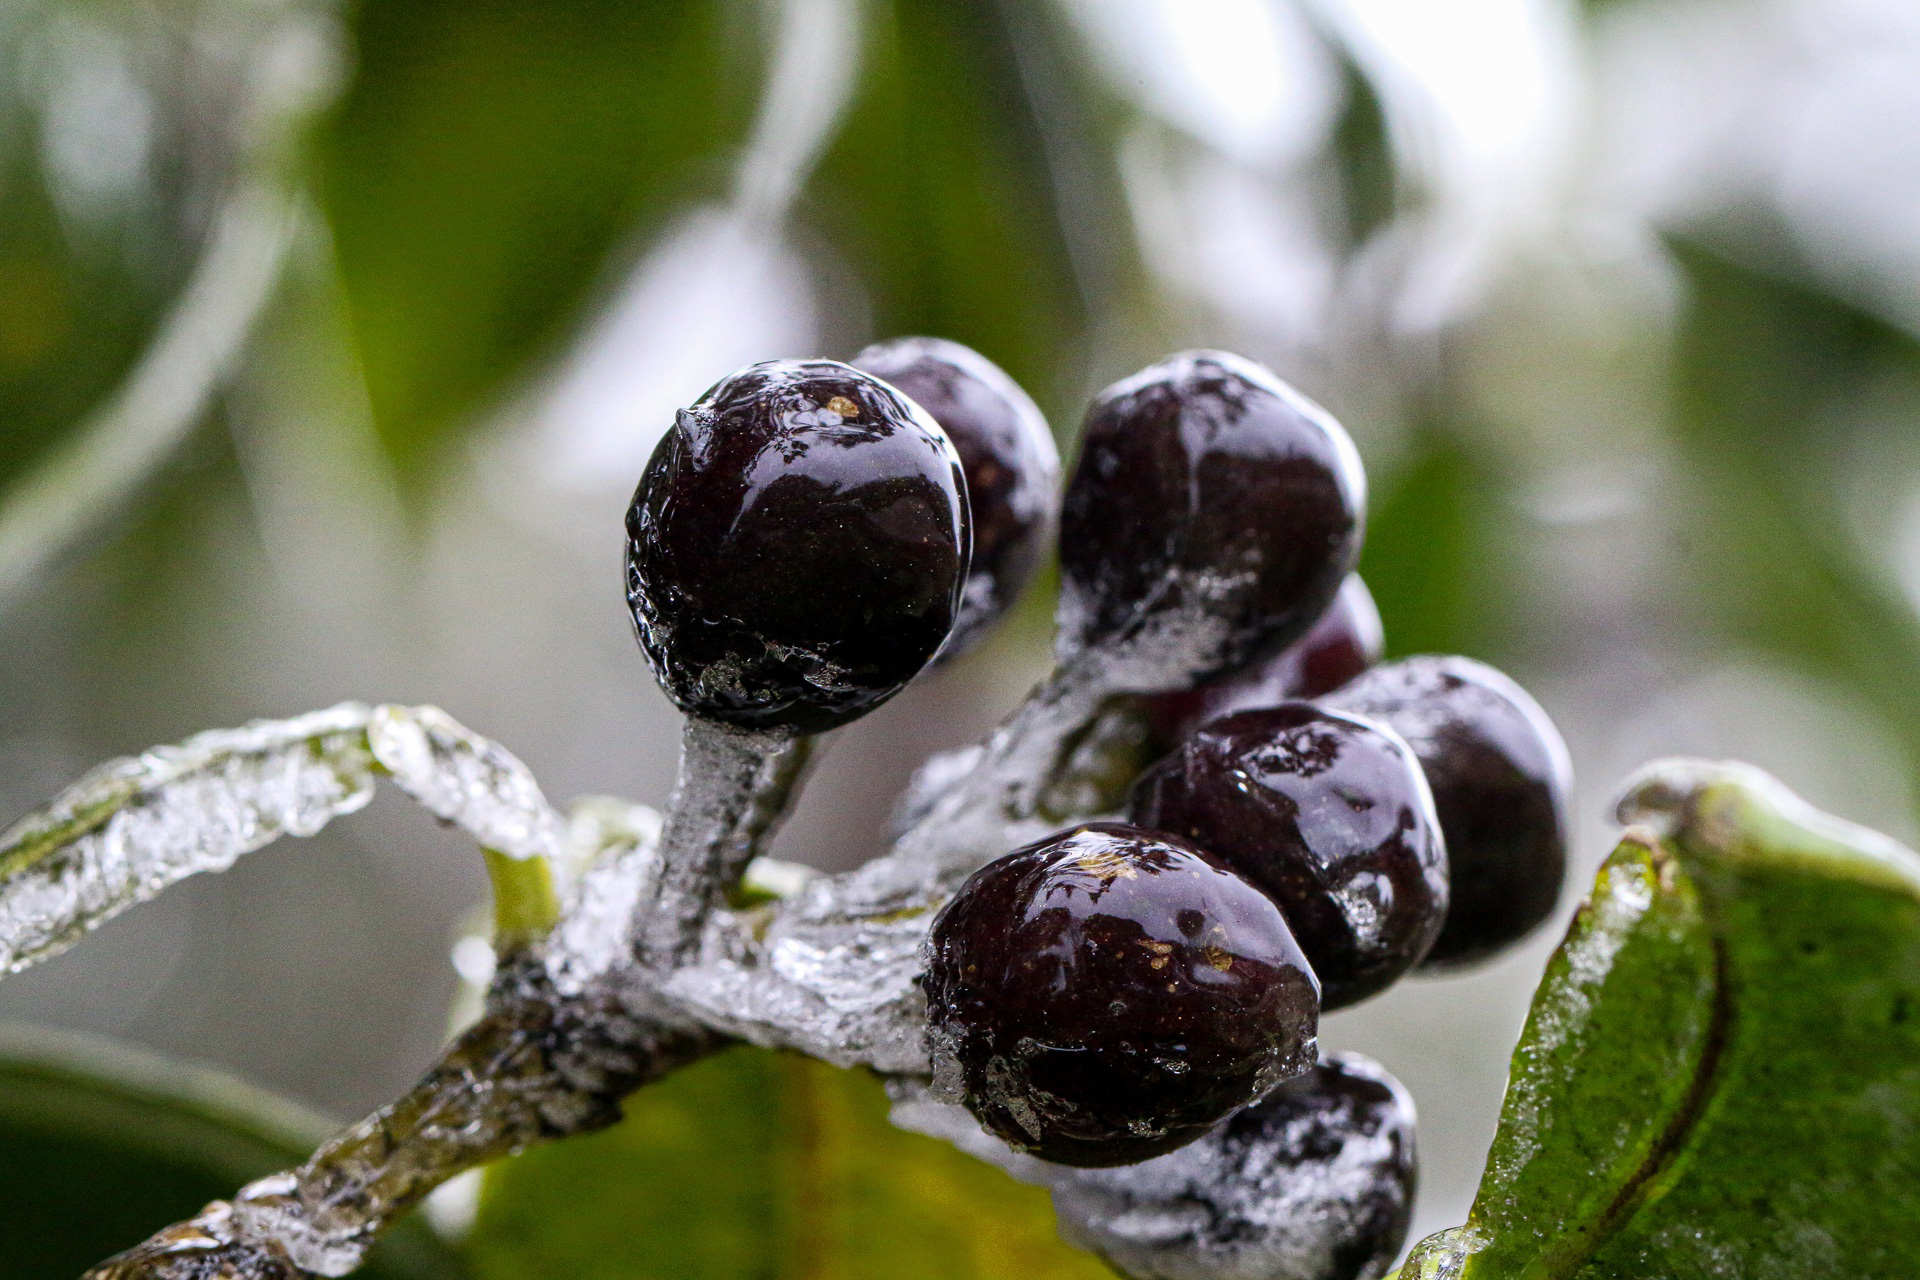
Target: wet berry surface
1326	813
1211	499
1007	452
1108	995
797	548
1500	782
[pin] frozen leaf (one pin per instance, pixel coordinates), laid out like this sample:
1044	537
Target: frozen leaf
1718	1076
134	826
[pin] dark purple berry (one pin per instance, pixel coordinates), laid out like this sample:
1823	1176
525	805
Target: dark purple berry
1328	814
1500	779
797	547
1315	1179
1109	994
1007	452
1210	519
1346	640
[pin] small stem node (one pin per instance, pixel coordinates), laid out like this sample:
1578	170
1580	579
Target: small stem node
525	906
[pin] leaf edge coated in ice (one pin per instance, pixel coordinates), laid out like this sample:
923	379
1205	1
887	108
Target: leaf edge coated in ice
1792	1146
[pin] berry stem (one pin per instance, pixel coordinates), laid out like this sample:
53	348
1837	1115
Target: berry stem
997	802
731	791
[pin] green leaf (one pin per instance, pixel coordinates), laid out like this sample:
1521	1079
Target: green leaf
76	309
488	160
755	1164
1778	385
1428	557
941	190
1721	1072
100	1147
1364	168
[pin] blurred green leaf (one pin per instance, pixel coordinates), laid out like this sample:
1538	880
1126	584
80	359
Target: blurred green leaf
754	1164
1718	1075
1431	558
489	160
1769	375
100	1147
76	310
1369	181
967	177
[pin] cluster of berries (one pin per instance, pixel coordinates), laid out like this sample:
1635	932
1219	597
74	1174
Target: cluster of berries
811	534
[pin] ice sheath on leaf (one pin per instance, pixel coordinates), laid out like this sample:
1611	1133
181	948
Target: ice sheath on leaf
134	826
1717	1077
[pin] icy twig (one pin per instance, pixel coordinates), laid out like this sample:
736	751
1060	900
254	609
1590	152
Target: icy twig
1041	769
534	1068
646	967
732	788
566	1033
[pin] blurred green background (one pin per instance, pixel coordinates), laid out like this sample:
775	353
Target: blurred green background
333	339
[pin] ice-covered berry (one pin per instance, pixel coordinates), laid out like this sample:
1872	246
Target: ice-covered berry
1330	815
1500	779
1210	518
797	548
1109	994
1007	452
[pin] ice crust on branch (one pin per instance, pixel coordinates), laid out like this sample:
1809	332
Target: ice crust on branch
830	969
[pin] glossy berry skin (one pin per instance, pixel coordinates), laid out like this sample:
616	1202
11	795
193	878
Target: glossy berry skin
797	547
1327	813
1210	518
1007	452
1315	1179
1501	782
1108	994
1346	640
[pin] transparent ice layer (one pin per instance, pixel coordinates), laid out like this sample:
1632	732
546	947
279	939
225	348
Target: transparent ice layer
651	962
613	849
811	974
1314	1182
733	787
463	778
134	826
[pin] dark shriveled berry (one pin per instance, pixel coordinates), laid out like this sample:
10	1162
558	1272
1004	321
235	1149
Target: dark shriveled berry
797	547
1315	1179
1210	518
1501	781
1007	452
1347	639
1327	813
1109	994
